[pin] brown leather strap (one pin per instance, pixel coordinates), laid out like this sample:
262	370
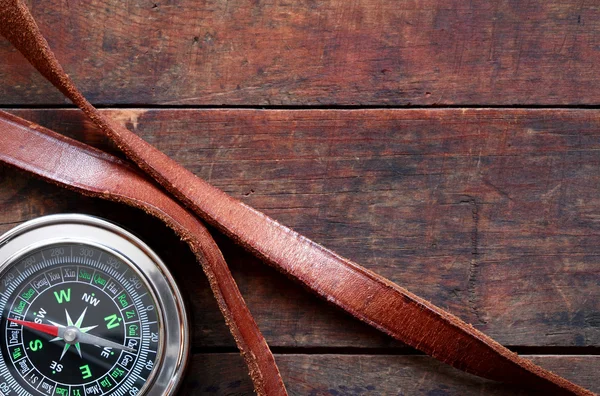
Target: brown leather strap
94	173
357	290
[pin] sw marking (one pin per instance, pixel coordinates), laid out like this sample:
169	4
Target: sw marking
39	315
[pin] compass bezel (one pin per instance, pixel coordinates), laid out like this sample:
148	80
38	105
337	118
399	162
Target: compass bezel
50	230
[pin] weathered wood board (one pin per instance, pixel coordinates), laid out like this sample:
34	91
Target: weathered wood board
491	214
316	52
353	375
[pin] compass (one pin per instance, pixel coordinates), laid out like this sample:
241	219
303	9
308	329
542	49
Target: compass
87	309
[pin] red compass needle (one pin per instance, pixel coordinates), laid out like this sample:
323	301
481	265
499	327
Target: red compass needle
44	328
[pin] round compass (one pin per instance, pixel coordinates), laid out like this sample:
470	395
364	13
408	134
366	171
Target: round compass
87	309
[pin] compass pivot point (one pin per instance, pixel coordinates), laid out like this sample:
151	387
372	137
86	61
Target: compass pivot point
71	334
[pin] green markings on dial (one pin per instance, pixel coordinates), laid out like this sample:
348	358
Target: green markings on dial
17	353
130	314
133	330
61	391
117	373
20	307
63	295
113	321
85	371
77	392
106	383
99	280
28	294
124	301
85	275
35	345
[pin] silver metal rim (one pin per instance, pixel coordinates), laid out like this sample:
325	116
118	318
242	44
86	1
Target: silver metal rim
78	228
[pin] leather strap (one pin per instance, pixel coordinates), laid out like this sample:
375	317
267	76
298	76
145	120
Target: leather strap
364	294
94	173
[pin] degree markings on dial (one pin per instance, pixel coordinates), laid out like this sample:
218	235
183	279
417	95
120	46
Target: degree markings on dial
18	270
140	296
143	350
43	257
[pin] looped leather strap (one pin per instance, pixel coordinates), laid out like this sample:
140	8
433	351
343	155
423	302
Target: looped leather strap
364	294
91	172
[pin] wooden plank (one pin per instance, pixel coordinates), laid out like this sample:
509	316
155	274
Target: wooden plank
347	375
491	214
316	52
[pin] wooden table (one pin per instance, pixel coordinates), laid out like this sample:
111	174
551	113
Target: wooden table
451	146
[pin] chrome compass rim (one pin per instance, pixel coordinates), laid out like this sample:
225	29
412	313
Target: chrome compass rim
104	235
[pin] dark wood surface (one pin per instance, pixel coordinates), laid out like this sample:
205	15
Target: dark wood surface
369	375
491	213
316	52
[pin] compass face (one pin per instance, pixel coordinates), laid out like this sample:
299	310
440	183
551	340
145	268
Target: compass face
81	318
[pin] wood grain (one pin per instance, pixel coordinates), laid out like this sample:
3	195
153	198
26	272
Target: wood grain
488	213
315	52
350	375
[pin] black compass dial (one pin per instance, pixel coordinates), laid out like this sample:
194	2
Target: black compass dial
76	320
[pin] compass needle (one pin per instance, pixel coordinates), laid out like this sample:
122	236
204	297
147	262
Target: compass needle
86	329
65	349
78	347
55	324
52	330
79	320
80	317
69	321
